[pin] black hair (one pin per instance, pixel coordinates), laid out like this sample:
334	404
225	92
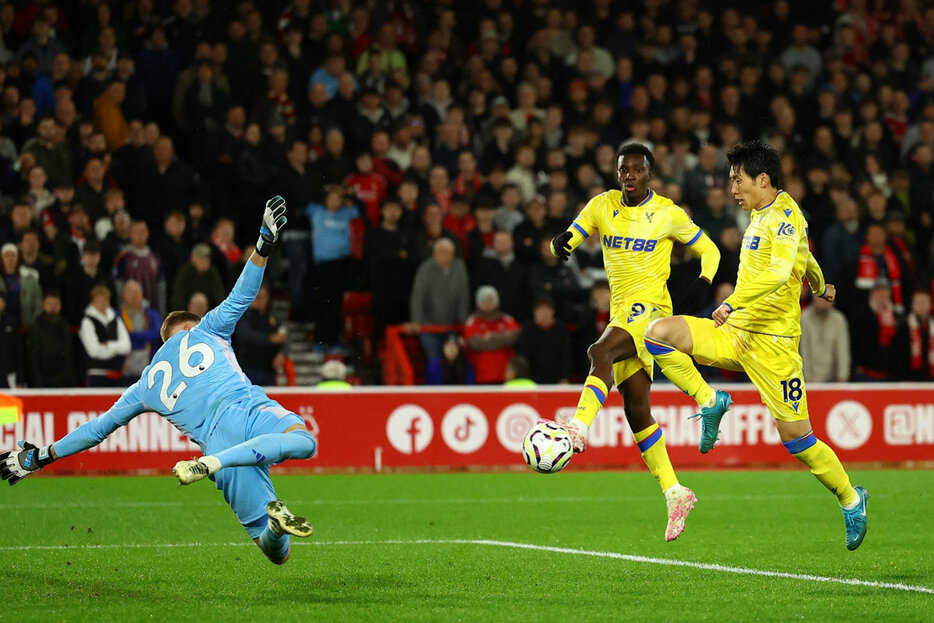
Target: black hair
755	157
639	150
521	367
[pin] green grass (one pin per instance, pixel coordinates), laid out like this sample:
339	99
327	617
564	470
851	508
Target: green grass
777	521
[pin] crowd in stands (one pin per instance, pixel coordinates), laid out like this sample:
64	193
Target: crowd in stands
429	151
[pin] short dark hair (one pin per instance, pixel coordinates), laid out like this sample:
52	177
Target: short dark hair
520	366
755	157
176	318
638	149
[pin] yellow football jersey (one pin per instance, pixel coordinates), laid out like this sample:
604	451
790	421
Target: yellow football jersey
637	245
773	263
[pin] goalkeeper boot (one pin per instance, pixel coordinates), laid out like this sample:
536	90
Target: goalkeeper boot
576	429
281	521
680	501
710	419
195	469
856	521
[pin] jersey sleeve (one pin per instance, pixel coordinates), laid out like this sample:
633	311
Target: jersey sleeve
784	239
815	277
684	230
223	319
585	224
91	433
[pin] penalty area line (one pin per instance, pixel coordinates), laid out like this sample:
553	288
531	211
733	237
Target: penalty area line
806	577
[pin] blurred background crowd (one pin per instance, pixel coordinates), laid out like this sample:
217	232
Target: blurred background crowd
428	152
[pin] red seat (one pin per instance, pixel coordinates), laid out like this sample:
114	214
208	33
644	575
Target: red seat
359	321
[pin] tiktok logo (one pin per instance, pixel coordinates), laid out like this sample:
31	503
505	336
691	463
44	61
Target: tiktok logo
409	429
464	429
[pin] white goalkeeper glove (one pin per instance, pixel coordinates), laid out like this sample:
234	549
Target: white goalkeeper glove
16	465
273	220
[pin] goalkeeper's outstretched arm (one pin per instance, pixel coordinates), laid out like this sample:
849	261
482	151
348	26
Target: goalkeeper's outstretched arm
17	464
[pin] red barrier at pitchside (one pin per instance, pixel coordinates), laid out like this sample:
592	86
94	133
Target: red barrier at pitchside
474	428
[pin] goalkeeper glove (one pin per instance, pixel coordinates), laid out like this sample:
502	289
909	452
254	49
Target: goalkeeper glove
560	247
16	465
693	298
273	220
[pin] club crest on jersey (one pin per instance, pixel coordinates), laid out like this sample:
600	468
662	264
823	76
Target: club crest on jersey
637	310
649	215
786	229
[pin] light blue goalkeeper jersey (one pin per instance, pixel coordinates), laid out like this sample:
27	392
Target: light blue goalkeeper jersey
191	380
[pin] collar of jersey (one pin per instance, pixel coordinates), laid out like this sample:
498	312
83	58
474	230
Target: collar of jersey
648	198
769	204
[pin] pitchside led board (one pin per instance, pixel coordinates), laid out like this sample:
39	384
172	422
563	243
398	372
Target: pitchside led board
396	427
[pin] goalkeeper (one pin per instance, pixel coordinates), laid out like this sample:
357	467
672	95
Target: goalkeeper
194	381
637	227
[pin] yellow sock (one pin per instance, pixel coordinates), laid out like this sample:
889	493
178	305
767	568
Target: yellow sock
824	464
651	442
591	400
680	370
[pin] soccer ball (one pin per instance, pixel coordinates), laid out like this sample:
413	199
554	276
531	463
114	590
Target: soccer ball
547	448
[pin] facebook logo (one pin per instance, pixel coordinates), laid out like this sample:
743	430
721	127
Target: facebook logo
630	244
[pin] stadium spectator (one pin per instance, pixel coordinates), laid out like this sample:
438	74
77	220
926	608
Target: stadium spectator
331	249
841	247
50	355
20	285
12	366
490	335
334	375
920	363
825	343
878	262
545	342
390	267
171	248
198	304
878	336
440	295
198	275
31	257
82	279
142	322
259	341
105	340
451	366
518	373
137	261
499	267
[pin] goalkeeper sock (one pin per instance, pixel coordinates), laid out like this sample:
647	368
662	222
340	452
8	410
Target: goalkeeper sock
651	442
273	544
269	449
680	370
591	400
824	464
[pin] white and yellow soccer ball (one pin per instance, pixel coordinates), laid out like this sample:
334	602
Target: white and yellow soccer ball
547	448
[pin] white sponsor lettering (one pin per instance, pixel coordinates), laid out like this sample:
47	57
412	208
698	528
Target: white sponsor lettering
909	424
36	428
464	428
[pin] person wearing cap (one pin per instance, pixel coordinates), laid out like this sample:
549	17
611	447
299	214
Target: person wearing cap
198	275
490	335
20	285
333	375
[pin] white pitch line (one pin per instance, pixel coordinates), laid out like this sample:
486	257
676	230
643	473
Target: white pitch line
412	501
527	546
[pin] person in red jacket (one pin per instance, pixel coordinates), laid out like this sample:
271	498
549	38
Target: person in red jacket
490	335
368	186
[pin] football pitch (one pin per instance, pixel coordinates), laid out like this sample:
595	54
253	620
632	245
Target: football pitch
578	546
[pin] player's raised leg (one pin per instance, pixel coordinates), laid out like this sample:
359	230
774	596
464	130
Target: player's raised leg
651	441
670	341
268	449
614	345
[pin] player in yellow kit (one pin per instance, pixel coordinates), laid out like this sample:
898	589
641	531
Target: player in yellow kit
758	327
636	228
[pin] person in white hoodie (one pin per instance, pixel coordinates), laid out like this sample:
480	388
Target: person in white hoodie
105	339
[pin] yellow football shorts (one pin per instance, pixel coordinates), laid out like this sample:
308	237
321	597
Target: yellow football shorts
772	362
634	318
